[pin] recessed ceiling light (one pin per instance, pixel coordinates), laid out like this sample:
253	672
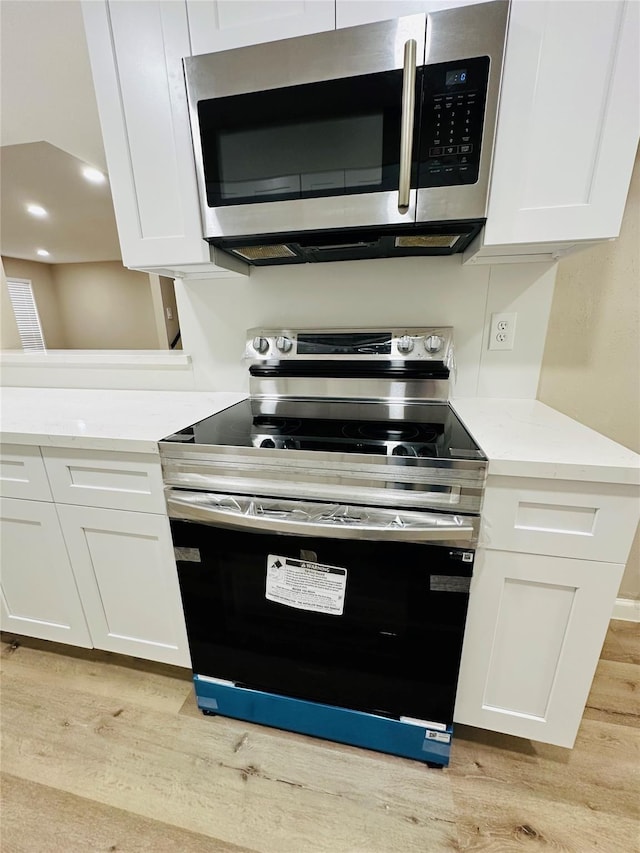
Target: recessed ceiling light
43	253
93	175
36	210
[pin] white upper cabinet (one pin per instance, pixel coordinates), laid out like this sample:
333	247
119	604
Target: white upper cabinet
350	13
224	24
136	50
568	125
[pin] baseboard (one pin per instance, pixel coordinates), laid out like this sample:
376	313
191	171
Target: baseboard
627	608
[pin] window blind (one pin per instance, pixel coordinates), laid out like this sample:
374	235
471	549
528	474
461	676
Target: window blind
26	311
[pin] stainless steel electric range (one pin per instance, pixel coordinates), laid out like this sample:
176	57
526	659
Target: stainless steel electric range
324	532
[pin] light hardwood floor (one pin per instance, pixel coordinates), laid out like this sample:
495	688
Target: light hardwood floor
104	753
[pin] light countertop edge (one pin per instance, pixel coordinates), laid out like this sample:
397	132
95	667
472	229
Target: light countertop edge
526	438
89	419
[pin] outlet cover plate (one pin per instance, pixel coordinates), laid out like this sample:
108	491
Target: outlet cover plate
503	331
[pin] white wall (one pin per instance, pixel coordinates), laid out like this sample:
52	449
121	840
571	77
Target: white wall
215	314
103	305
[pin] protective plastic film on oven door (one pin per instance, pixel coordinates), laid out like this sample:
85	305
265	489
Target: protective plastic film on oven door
302	518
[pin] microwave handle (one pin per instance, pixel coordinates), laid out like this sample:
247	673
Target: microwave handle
406	131
300	518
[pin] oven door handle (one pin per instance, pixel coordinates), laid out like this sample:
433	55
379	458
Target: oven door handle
302	518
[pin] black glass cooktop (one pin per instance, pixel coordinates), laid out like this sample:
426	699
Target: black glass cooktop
423	430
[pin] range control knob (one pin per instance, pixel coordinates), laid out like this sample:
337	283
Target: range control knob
433	343
267	442
284	344
405	344
261	345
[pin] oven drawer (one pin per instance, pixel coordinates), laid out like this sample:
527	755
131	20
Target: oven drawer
589	521
105	479
22	473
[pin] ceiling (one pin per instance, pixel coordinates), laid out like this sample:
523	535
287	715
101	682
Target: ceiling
80	224
50	129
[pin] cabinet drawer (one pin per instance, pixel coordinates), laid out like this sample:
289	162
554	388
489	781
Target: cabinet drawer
22	473
130	481
589	521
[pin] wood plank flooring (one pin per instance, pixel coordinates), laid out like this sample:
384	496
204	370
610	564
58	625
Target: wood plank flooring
105	753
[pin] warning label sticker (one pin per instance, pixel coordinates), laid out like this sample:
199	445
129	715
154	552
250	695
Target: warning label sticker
306	585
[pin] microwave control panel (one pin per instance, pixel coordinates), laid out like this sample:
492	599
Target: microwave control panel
454	96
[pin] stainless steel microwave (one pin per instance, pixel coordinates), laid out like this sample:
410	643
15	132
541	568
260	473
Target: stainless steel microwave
371	141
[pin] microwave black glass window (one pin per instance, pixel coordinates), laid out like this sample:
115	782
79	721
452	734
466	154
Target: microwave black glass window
336	137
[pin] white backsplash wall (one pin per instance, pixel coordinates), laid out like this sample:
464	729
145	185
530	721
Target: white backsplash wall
527	290
403	292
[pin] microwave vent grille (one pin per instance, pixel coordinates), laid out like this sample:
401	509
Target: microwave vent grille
422	241
263	253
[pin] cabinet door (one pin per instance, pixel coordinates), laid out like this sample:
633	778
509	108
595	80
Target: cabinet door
39	594
350	13
224	24
534	632
568	122
126	574
136	51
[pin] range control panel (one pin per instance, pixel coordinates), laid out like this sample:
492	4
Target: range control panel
411	344
454	97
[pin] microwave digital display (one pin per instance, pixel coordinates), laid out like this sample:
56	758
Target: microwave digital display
456	78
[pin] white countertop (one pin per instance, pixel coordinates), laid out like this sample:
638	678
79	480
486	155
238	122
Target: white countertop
521	438
525	438
103	419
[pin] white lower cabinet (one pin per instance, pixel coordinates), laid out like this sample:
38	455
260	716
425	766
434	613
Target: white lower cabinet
39	593
534	632
86	566
126	574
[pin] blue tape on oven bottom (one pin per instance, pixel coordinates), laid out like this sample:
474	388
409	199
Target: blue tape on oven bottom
409	740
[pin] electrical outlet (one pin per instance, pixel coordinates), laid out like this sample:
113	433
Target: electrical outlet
503	331
169	313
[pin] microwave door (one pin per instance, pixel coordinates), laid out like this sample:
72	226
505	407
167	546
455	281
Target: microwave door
325	138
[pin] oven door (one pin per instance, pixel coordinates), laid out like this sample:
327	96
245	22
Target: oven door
331	604
311	133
